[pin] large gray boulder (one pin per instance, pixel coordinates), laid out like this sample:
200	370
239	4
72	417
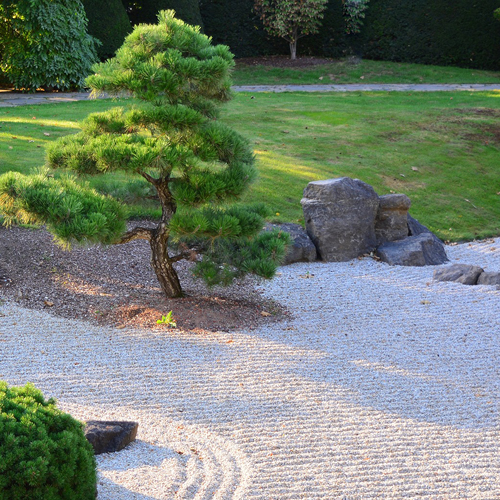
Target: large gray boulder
110	436
391	223
340	217
461	273
420	250
302	248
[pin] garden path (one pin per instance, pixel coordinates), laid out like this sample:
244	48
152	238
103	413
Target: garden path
9	98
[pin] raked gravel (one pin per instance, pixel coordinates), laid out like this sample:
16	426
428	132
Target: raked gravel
384	385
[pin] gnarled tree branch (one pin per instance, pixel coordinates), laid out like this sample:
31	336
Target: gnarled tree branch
138	233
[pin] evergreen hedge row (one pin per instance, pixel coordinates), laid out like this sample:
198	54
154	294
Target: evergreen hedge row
459	33
109	23
146	11
244	32
464	33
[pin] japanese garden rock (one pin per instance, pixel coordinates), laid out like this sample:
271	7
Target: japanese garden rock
340	217
486	278
420	250
461	273
415	228
110	436
302	248
391	223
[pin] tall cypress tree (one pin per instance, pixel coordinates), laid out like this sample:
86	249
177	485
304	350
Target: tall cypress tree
173	140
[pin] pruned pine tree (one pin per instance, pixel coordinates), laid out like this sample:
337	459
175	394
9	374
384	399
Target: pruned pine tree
172	139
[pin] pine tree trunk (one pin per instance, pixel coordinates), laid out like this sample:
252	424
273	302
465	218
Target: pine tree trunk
160	260
163	266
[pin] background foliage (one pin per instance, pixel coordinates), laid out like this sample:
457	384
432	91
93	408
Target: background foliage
109	23
425	31
244	32
145	11
433	32
45	44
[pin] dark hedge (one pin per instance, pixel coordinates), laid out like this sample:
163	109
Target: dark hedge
109	23
424	31
462	33
146	11
233	23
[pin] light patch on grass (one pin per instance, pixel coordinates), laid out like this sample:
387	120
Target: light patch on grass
42	123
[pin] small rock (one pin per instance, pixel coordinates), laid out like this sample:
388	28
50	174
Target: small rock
488	279
110	436
391	223
420	250
302	248
461	273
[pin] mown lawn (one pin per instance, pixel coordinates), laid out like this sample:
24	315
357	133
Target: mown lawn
441	149
364	71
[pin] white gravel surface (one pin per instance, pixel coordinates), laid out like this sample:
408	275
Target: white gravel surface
385	385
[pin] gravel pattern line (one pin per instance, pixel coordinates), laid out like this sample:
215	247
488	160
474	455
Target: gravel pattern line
384	384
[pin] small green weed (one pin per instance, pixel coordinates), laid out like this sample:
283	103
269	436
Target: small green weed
167	320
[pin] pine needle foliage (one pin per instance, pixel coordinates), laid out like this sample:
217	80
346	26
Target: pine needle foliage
173	140
43	451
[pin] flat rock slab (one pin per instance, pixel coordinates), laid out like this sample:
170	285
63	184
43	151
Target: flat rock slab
461	273
110	436
421	250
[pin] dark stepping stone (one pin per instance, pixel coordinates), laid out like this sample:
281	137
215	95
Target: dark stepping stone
108	437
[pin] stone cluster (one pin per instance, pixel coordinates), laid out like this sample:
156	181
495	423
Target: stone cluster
345	219
467	275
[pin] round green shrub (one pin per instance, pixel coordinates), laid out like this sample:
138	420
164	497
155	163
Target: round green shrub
44	454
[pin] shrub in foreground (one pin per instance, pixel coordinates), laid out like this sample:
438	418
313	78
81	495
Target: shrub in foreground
43	451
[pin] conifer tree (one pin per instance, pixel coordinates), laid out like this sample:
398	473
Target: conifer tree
173	140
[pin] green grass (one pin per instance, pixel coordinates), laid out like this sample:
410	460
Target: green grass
441	149
366	71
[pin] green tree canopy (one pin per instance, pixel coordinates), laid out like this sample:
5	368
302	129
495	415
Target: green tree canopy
197	165
45	43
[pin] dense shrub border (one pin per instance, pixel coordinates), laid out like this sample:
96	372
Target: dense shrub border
422	31
433	32
109	23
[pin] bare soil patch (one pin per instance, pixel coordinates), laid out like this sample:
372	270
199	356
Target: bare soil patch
116	286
